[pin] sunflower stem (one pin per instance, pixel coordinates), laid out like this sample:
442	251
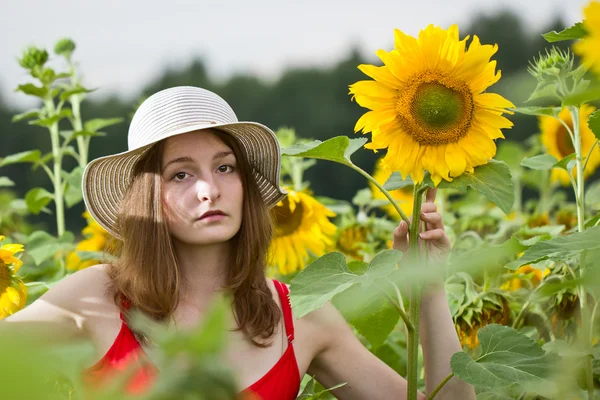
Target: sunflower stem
414	296
580	199
385	192
57	169
399	309
440	386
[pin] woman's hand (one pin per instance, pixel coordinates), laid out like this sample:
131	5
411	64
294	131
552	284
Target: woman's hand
434	235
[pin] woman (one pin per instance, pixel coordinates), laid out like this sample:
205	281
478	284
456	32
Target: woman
190	201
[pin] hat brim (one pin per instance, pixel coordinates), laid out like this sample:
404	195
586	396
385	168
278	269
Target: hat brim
106	179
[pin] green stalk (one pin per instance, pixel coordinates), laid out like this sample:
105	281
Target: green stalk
414	297
440	386
57	170
385	192
82	142
580	199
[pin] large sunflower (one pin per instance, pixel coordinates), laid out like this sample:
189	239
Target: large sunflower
95	240
403	196
558	143
301	227
428	106
13	293
589	47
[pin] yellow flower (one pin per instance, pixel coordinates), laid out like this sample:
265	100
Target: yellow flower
557	141
349	240
301	226
589	47
96	238
13	293
534	276
428	106
403	196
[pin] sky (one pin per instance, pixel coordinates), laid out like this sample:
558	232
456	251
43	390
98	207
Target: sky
122	45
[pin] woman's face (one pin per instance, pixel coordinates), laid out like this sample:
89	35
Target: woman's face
200	175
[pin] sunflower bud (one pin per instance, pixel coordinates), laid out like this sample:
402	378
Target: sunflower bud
64	47
33	57
554	64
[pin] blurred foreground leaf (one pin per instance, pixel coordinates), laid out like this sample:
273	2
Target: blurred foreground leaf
507	357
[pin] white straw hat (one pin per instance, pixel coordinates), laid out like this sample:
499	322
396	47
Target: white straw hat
168	113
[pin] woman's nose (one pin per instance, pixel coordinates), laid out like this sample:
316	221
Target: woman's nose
207	190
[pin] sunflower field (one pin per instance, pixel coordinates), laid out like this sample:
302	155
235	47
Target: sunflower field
522	279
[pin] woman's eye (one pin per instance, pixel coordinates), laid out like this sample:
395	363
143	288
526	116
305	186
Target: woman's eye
179	176
225	168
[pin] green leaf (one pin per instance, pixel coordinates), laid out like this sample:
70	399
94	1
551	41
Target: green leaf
395	181
541	162
309	391
338	149
96	124
594	124
26	115
95	255
567	163
544	90
541	111
584	95
486	256
6	181
30	156
576	31
32	90
368	311
560	248
38	198
64	96
592	195
73	193
42	246
329	275
48	122
493	180
507	357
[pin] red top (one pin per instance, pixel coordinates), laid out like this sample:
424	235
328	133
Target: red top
282	382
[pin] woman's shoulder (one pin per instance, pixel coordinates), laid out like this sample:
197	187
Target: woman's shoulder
82	293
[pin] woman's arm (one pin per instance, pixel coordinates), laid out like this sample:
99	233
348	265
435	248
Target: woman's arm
59	315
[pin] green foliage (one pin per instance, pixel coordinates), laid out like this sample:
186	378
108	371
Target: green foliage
594	123
337	149
493	180
577	31
559	248
507	357
37	199
541	162
329	275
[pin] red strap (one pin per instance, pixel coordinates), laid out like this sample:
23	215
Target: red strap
284	292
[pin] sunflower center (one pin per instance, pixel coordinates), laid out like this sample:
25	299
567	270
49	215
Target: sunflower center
563	140
4	277
435	108
286	220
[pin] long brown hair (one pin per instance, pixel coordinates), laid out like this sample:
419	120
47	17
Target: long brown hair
146	272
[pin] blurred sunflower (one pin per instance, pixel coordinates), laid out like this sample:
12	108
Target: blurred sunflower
349	240
95	240
557	142
490	311
589	47
13	292
428	106
301	226
403	196
529	274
